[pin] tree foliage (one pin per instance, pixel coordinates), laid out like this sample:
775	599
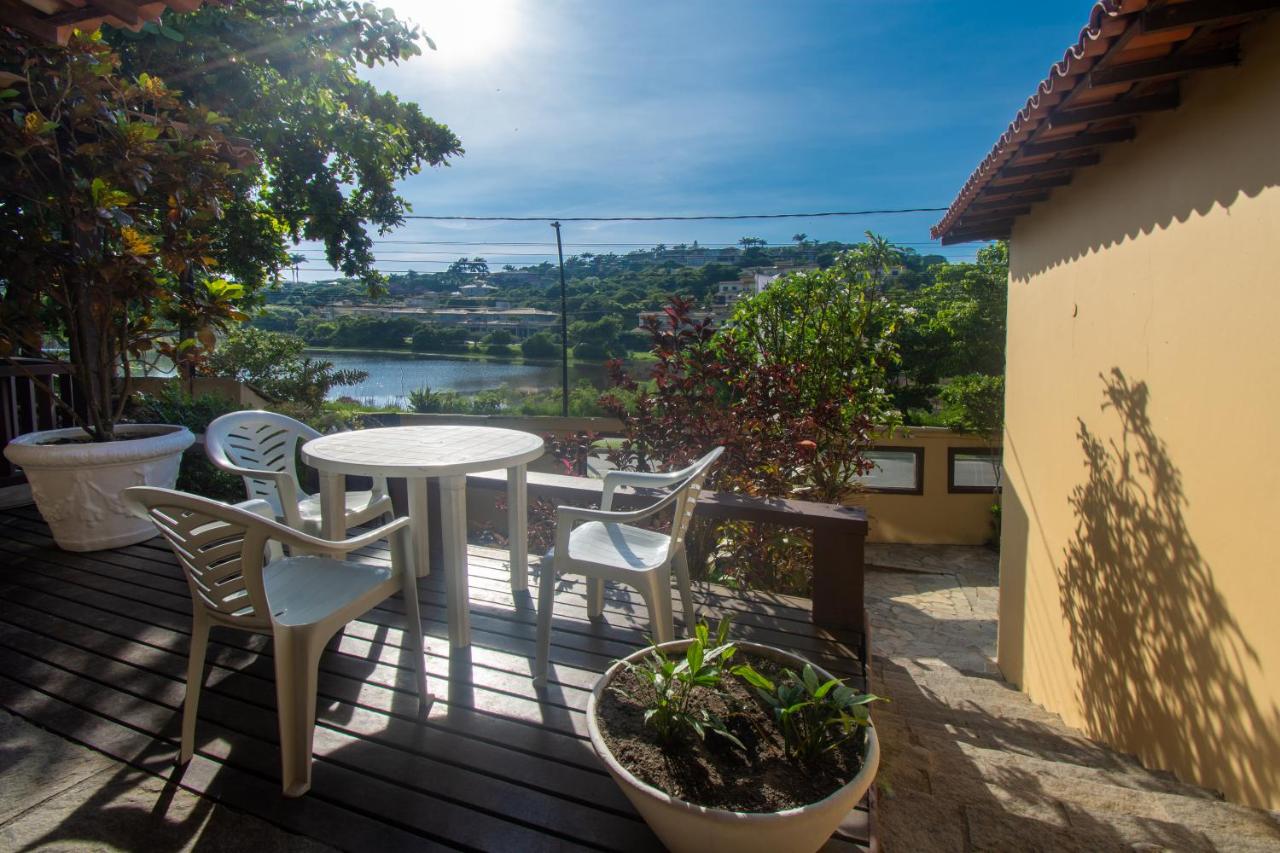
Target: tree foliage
331	145
111	195
706	390
274	363
834	324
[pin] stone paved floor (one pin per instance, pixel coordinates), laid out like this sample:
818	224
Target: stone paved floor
56	795
971	764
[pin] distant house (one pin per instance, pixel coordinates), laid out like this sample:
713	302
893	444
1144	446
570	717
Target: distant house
521	322
476	290
1139	189
661	317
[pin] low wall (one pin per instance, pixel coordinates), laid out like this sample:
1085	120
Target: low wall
936	516
228	389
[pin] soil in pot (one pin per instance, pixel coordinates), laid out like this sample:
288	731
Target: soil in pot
715	773
87	439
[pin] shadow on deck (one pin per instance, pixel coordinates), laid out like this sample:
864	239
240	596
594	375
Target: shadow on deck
93	647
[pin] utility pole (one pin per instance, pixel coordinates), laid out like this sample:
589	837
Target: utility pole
564	329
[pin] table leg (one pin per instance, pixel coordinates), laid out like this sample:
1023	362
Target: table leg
453	524
518	527
417	489
333	507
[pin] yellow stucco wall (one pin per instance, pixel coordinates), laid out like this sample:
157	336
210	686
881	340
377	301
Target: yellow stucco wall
936	517
1140	595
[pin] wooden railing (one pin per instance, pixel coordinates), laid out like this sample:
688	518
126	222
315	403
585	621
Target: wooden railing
27	388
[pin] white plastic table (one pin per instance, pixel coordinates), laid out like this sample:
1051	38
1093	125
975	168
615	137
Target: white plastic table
445	452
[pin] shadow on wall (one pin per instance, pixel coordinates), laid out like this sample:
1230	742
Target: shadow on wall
1163	664
1220	145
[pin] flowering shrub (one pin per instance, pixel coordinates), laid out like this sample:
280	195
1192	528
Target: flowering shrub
794	391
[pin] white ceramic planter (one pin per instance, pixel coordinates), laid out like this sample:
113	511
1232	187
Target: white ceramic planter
77	486
683	826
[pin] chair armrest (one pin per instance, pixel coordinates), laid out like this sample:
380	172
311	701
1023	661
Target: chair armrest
283	479
642	479
294	538
262	508
569	515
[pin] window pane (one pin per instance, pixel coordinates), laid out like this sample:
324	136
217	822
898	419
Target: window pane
895	469
976	470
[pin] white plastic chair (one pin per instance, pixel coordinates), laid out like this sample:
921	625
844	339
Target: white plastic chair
262	448
604	546
300	601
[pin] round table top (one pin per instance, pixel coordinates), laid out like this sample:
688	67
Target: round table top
422	451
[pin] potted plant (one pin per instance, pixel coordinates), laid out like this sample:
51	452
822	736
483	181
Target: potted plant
768	754
110	197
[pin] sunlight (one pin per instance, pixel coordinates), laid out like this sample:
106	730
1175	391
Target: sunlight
465	32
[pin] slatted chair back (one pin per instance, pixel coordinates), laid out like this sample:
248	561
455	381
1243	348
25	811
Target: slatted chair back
687	499
221	551
262	441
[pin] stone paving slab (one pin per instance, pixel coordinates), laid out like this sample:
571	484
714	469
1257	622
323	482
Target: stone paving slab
61	796
969	763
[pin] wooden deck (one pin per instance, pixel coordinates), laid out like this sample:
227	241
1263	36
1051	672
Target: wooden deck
93	647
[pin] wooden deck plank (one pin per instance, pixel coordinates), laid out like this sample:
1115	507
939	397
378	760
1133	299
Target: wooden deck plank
93	646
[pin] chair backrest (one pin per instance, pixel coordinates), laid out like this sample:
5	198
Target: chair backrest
261	441
219	547
689	490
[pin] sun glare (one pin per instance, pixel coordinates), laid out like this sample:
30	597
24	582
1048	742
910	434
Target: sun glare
465	32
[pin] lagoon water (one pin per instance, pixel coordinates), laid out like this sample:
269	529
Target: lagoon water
392	375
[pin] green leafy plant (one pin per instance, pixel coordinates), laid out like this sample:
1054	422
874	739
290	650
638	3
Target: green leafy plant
275	364
674	682
112	197
814	716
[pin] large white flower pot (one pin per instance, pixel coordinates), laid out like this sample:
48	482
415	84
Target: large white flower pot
77	486
683	826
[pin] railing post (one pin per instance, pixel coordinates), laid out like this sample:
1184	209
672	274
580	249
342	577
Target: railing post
838	578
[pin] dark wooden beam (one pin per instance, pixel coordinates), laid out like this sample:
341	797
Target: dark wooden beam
1045	183
20	16
1168	66
1123	108
1080	140
999	204
71	17
1057	165
982	218
1172	16
125	10
988	231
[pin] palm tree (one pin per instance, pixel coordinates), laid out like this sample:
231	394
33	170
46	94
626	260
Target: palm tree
800	238
296	260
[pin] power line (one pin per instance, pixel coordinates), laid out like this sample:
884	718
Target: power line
649	245
691	218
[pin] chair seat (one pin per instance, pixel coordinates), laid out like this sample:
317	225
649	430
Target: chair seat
304	590
619	545
358	503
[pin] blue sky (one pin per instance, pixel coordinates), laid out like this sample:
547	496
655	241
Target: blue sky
610	108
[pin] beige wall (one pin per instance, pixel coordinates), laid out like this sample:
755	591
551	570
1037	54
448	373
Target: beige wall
935	517
1140	596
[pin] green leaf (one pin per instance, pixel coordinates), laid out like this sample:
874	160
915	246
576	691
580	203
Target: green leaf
810	679
5	94
755	679
825	689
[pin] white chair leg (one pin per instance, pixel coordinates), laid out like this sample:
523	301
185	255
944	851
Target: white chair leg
412	613
681	566
546	601
595	598
297	665
655	588
195	680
